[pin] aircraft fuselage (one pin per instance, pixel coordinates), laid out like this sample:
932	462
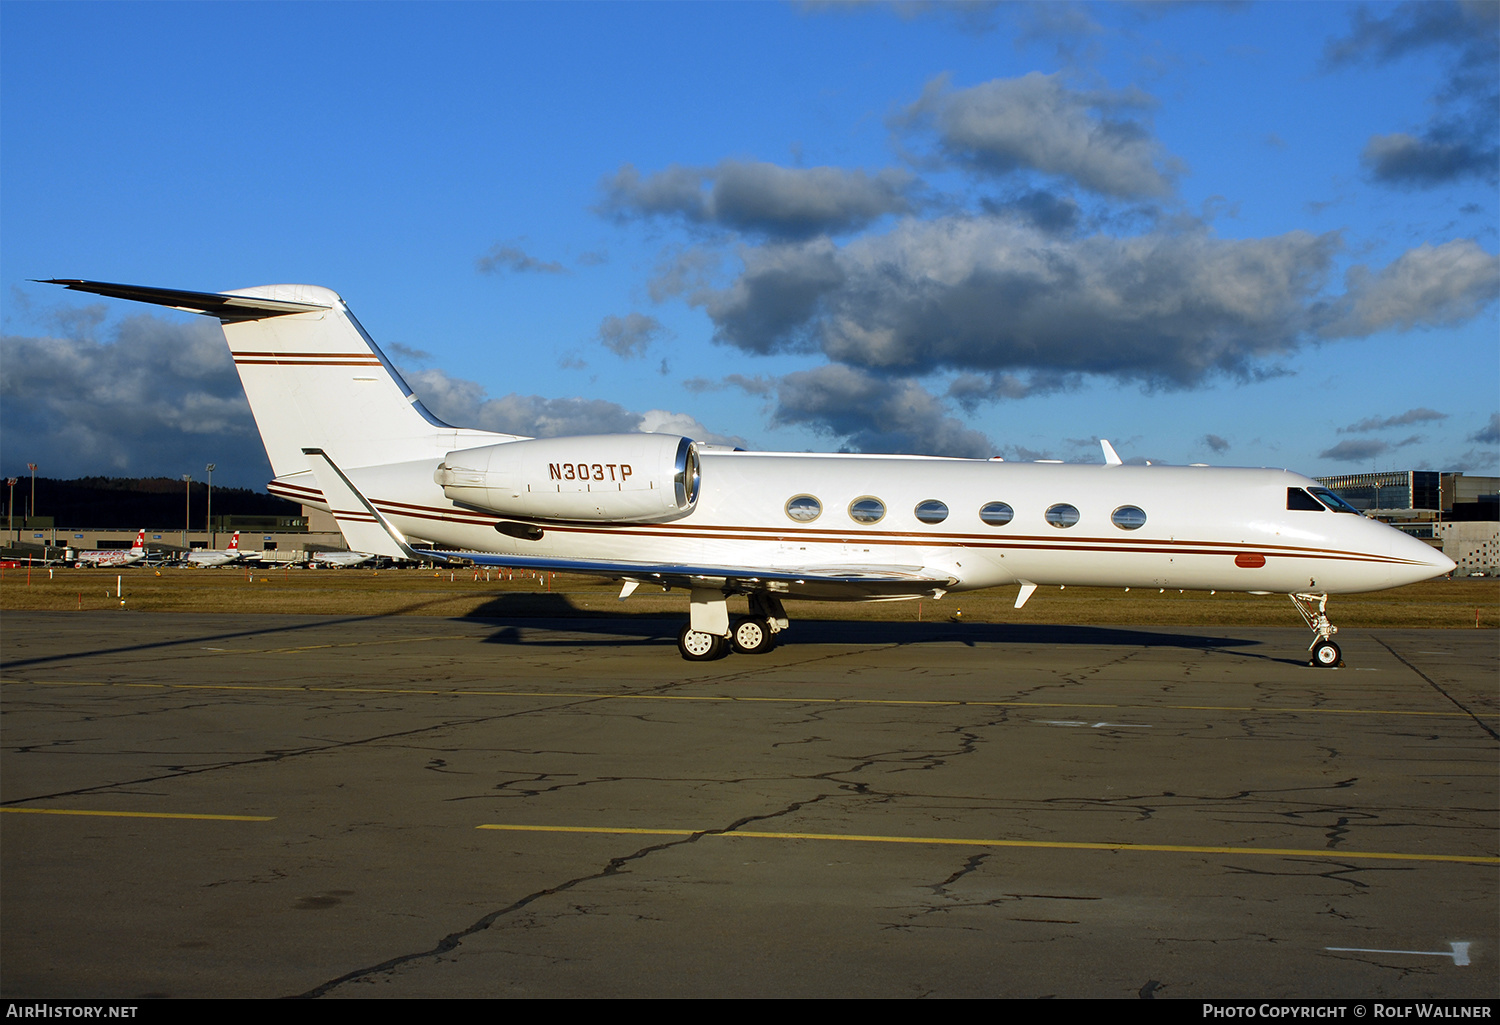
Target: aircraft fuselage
1204	527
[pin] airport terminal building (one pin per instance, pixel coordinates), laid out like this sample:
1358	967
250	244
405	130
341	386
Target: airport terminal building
279	539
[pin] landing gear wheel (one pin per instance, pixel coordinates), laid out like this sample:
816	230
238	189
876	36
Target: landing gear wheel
1326	654
752	637
697	646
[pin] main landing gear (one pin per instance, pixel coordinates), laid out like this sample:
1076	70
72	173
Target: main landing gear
753	637
1325	653
710	635
749	637
700	646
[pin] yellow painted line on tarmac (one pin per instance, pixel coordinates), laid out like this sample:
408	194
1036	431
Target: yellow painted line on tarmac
139	814
591	829
743	698
1033	844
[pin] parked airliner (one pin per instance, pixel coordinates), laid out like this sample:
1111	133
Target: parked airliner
339	560
112	556
210	557
344	432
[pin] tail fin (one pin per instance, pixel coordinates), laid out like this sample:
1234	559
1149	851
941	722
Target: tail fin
140	543
314	378
234	544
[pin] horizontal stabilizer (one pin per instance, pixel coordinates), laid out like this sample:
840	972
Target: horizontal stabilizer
228	308
311	373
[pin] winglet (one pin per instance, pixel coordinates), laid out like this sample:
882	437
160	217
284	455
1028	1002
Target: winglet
1111	457
365	527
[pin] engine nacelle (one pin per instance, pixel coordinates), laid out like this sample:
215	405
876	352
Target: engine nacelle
619	478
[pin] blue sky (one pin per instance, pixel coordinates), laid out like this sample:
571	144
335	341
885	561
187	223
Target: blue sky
1245	234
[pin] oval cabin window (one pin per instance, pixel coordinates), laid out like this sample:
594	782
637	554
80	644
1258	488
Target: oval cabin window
867	510
932	511
1062	515
1128	517
804	508
997	514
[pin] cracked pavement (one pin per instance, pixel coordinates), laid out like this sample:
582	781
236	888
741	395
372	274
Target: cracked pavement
886	811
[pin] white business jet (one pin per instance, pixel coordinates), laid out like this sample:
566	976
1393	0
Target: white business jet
345	433
211	557
111	557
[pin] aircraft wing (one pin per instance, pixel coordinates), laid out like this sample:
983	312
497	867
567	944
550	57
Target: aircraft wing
365	528
850	582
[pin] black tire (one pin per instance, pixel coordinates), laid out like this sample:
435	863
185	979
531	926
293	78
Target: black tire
1326	655
752	637
697	646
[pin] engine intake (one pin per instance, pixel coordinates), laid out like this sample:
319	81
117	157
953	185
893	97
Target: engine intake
618	478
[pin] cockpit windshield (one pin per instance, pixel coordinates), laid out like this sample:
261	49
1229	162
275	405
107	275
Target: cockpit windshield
1333	501
1298	500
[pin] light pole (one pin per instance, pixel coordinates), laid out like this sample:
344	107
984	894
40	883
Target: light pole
187	482
10	523
32	468
212	540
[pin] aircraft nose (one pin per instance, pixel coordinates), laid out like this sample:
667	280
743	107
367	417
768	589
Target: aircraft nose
1424	560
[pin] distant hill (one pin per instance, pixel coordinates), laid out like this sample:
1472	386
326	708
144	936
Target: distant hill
128	503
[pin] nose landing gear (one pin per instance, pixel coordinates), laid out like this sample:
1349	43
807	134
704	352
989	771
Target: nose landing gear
1325	653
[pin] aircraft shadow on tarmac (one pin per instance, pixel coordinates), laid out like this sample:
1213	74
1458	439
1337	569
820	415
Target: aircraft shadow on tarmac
547	613
539	619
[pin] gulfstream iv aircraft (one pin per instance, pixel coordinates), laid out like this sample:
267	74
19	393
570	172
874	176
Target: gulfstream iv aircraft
345	433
